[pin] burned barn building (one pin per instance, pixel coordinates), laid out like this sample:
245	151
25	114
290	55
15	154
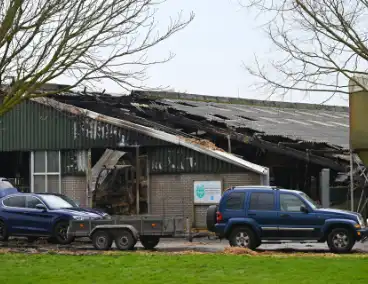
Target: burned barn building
151	152
295	141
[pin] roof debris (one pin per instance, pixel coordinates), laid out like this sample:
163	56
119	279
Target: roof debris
204	143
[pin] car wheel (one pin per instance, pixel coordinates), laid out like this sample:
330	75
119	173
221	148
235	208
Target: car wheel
124	240
3	232
102	240
149	242
60	233
340	240
211	217
243	237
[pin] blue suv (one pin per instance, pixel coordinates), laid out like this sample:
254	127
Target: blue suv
251	215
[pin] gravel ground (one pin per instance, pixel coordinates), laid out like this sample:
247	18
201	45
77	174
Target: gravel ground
206	245
180	245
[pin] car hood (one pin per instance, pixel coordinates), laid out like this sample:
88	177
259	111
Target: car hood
90	210
338	212
79	212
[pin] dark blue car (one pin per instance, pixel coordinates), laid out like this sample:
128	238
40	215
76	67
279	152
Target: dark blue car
249	215
39	215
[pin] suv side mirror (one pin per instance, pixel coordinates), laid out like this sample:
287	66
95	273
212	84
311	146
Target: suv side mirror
303	209
41	207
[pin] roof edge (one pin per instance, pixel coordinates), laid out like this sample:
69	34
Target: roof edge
158	134
234	100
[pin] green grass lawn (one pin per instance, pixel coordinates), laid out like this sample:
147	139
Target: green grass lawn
181	269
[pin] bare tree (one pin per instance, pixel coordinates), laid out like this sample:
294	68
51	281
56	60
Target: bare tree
318	45
86	40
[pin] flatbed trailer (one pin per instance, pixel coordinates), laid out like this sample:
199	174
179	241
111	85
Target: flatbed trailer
126	231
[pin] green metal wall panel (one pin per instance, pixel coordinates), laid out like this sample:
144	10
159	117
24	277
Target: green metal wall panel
32	126
176	159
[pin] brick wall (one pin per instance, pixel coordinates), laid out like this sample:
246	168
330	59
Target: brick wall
75	188
172	194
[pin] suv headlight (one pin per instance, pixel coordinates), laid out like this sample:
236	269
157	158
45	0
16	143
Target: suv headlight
361	221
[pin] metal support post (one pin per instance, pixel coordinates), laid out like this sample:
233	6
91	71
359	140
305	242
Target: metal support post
351	181
137	177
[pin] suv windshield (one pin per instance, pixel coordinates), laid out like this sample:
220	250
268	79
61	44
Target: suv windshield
55	202
311	202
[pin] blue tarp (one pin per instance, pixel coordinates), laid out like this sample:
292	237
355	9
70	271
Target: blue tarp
7	191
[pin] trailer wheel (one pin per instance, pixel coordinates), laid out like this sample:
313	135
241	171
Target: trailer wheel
101	240
149	242
124	240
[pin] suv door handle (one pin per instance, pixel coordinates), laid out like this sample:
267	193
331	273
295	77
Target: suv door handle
284	215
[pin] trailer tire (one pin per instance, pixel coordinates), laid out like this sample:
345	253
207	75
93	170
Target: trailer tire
149	242
124	240
101	240
211	217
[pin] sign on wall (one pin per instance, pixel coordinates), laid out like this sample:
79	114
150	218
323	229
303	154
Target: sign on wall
206	192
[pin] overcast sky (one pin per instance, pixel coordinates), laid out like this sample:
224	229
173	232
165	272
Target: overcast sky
210	52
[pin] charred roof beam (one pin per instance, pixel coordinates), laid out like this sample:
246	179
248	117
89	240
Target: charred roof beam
306	156
254	140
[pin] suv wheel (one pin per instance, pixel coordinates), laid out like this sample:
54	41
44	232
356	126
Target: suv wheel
243	237
340	240
211	217
3	232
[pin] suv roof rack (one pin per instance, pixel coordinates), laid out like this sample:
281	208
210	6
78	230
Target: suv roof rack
256	187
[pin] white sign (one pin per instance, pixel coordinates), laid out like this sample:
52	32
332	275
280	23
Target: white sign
207	192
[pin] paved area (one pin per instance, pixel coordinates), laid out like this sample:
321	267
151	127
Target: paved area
180	245
206	245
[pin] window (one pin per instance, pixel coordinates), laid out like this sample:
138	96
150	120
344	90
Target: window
262	201
46	172
235	201
313	204
290	203
32	201
15	201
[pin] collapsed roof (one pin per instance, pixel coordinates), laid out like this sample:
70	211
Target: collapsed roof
110	117
313	133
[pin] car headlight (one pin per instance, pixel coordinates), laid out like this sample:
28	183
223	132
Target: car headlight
106	216
80	218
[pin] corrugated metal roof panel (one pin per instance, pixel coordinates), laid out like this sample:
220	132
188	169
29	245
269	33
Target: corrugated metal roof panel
34	126
321	126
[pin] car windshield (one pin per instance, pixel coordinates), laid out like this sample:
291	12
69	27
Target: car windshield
311	202
55	202
69	200
5	184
